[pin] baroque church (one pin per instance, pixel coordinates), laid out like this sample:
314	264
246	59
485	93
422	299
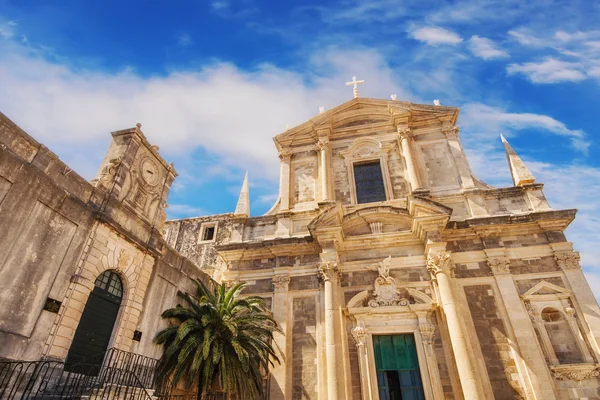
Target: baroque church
393	271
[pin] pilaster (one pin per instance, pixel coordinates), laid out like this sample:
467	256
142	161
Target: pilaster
284	180
537	380
459	156
278	388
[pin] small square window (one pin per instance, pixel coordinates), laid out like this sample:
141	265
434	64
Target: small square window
208	232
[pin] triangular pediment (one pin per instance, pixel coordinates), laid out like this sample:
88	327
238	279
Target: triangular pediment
363	112
545	288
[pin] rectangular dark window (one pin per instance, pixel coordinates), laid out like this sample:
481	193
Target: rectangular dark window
209	233
369	182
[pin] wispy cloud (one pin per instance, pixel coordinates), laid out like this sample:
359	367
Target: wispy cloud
185	40
485	48
184	211
220	5
550	70
486	120
435	36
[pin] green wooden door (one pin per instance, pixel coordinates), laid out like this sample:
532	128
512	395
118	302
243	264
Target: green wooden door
397	366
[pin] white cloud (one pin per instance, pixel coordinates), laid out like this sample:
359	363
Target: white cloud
550	70
184	211
485	48
434	36
486	121
228	112
526	39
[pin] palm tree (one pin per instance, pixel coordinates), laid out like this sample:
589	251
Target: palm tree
219	341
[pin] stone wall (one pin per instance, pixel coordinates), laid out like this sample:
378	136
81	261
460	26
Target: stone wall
304	349
494	342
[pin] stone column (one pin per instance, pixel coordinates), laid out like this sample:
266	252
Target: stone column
405	140
324	149
277	389
441	269
538	377
427	331
359	333
460	159
330	274
571	317
284	180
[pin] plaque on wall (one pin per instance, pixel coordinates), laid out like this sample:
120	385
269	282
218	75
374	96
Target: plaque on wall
52	305
137	336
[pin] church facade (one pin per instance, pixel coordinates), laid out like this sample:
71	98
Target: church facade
391	269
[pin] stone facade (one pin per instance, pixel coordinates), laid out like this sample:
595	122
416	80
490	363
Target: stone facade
62	232
470	270
483	278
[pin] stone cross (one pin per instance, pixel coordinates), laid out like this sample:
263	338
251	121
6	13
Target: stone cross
355	83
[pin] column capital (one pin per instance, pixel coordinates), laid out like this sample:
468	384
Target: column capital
329	271
427	333
404	131
440	263
280	283
323	142
451	131
499	266
568	260
359	333
285	155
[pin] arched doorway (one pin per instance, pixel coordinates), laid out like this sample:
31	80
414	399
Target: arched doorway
96	324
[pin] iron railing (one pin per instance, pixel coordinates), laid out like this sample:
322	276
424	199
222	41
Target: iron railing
35	380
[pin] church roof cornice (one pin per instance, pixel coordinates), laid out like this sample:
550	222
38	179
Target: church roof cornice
380	111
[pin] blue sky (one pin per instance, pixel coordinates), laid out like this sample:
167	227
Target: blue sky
213	81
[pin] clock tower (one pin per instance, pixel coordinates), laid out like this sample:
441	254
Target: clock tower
134	174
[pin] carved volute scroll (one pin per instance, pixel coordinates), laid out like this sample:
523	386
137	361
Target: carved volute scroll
107	175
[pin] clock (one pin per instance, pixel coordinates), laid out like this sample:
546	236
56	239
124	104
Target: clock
149	172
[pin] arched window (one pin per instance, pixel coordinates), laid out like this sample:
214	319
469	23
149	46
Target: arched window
110	282
559	332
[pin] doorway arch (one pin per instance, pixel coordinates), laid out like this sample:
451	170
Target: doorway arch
96	324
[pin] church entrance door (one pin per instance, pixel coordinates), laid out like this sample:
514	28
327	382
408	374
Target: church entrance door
96	325
397	366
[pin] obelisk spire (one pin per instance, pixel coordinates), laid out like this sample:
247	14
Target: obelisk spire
243	205
520	173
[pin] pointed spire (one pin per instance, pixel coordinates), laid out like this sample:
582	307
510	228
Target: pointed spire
520	173
243	205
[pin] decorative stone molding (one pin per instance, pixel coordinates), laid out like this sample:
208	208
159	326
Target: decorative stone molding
108	172
440	263
229	283
280	283
427	333
575	372
386	290
323	143
404	132
285	155
499	266
359	333
329	270
568	260
451	131
376	227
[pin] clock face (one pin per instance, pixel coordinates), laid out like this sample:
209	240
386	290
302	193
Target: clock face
149	172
